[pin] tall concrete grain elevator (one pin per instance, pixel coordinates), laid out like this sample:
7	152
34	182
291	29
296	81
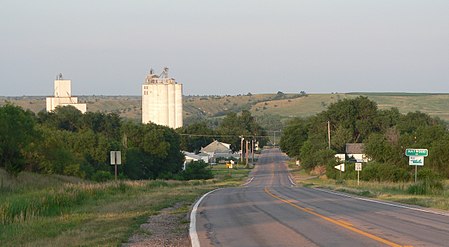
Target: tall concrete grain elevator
162	100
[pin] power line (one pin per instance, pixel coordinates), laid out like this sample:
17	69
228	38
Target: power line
236	135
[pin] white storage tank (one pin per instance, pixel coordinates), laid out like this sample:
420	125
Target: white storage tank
162	100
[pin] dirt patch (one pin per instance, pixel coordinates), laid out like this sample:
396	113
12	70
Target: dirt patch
169	228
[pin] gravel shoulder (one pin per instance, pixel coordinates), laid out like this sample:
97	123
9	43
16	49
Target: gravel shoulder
169	228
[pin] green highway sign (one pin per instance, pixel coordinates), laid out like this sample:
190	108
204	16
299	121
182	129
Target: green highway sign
416	152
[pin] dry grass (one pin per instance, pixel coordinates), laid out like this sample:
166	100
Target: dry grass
303	106
389	191
61	212
259	104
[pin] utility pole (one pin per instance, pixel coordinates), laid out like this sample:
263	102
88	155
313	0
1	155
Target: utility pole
241	149
274	135
329	134
247	153
252	150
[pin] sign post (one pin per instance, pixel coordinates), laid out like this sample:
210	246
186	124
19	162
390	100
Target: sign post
358	168
341	168
340	158
116	159
416	158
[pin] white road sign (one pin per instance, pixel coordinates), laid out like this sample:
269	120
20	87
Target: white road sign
358	166
340	167
116	158
416	160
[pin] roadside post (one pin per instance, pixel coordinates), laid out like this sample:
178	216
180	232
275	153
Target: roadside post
341	168
340	158
116	159
358	168
416	158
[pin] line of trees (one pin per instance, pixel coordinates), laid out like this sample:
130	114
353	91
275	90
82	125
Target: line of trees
385	134
233	125
71	143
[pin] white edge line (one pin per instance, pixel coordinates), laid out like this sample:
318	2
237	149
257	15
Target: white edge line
383	203
291	180
245	184
192	230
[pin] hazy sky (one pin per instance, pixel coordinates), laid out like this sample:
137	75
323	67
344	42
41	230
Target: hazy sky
225	46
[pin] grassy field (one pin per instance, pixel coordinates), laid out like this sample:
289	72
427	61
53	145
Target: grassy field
302	106
388	191
434	104
258	104
38	210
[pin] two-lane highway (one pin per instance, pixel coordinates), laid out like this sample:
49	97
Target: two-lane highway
271	211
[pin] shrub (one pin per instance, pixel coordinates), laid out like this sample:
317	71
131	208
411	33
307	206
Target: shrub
383	172
102	176
429	182
196	170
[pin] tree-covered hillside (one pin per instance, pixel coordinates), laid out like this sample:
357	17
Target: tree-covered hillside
386	133
68	142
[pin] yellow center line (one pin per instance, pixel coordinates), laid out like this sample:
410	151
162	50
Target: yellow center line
336	222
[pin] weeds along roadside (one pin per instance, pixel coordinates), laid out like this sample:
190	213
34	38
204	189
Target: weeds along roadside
424	193
111	210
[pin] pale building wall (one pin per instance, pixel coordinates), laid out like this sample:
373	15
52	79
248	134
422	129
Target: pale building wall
63	88
62	97
162	101
145	103
171	105
178	106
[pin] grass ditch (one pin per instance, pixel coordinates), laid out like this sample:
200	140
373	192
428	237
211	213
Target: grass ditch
80	213
402	192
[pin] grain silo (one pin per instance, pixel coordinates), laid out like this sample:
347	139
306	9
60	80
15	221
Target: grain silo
162	100
63	96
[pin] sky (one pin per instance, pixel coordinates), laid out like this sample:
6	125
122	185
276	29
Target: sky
218	47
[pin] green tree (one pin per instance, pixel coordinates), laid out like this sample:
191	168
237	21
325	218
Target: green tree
293	136
233	126
152	148
410	122
195	136
197	170
106	124
66	118
53	154
17	132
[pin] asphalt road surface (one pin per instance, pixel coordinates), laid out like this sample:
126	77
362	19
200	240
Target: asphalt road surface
271	211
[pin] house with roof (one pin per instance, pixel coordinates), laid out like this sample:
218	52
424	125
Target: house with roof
189	157
218	149
356	151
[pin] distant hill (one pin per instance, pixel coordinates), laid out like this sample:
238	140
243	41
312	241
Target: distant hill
281	105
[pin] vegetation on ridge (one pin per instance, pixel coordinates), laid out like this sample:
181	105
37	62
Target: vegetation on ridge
385	133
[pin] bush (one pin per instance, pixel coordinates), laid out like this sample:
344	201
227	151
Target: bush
384	172
429	182
102	176
196	170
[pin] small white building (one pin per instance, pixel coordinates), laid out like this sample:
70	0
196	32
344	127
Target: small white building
63	96
218	149
189	157
356	151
